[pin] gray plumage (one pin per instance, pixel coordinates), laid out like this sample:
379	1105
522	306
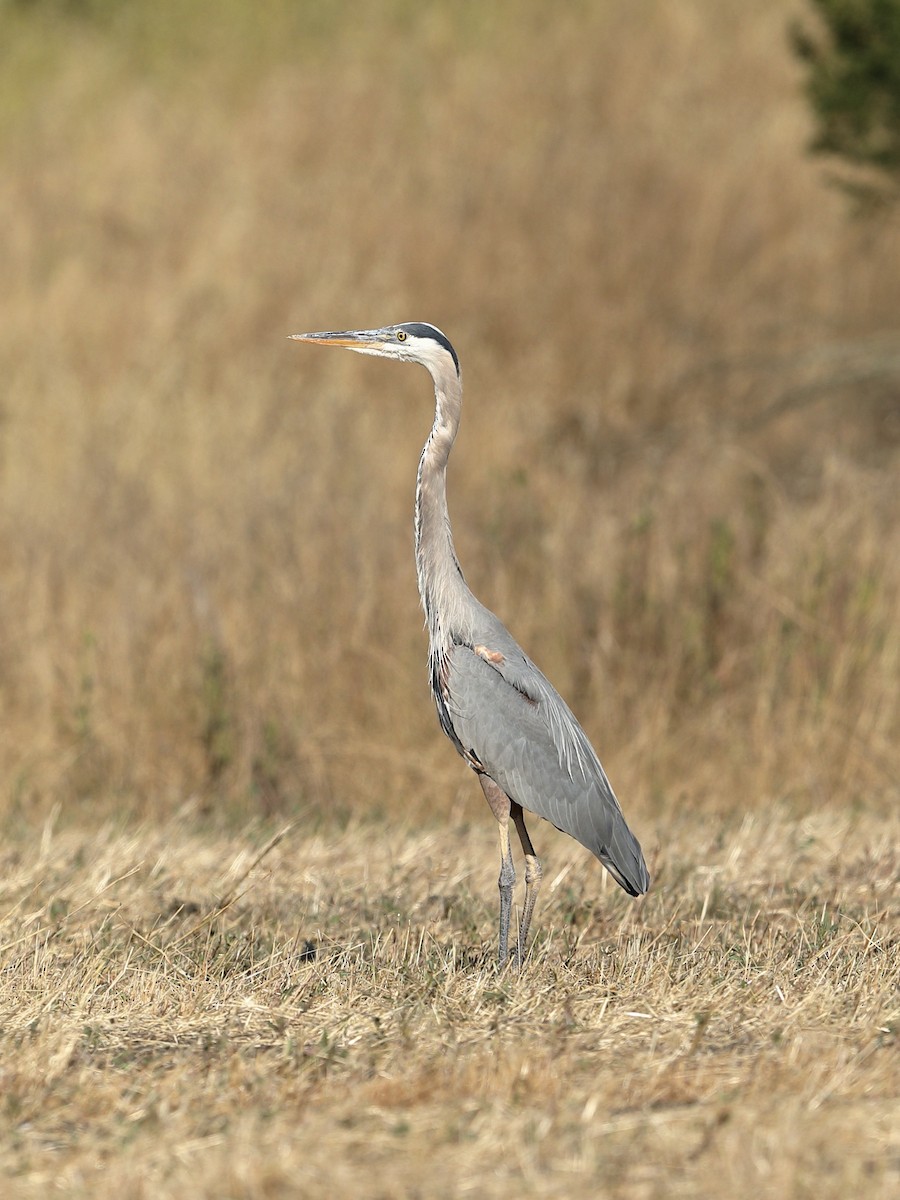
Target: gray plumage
501	713
525	738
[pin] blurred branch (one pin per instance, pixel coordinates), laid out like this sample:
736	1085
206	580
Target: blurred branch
849	363
839	364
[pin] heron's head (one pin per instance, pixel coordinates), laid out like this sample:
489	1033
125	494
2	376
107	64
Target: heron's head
412	342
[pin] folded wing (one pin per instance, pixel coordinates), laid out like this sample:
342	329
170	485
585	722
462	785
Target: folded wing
508	716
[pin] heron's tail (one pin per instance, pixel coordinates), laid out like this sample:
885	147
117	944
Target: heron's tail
624	860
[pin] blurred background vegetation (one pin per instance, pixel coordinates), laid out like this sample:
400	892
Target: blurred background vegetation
853	84
677	473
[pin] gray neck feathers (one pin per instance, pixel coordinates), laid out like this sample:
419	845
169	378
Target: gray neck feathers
447	601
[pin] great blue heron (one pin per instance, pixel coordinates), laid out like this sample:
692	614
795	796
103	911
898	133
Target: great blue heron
500	712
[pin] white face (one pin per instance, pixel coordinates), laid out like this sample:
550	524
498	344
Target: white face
395	341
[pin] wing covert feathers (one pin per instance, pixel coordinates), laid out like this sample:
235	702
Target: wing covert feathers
510	719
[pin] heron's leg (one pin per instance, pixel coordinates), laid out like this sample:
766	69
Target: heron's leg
533	876
500	806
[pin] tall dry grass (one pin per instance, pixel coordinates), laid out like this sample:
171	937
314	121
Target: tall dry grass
676	478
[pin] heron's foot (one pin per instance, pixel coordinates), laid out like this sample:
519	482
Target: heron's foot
510	962
511	956
519	952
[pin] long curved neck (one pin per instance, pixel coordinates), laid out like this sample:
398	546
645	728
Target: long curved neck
441	585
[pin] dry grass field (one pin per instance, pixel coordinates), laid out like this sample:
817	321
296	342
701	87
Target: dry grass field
181	1019
676	481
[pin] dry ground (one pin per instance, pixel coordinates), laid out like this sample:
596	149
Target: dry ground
184	1017
676	481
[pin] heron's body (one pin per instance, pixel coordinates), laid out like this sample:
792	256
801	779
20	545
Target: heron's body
502	714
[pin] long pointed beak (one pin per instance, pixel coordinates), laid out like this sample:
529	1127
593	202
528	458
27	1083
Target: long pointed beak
371	340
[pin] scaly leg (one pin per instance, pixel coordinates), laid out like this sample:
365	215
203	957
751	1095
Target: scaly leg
500	806
533	877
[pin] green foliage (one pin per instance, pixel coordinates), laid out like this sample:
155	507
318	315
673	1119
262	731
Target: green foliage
853	85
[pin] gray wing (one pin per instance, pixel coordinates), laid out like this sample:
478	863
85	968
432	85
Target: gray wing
511	719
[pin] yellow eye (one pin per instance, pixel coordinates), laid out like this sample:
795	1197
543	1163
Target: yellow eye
401	335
